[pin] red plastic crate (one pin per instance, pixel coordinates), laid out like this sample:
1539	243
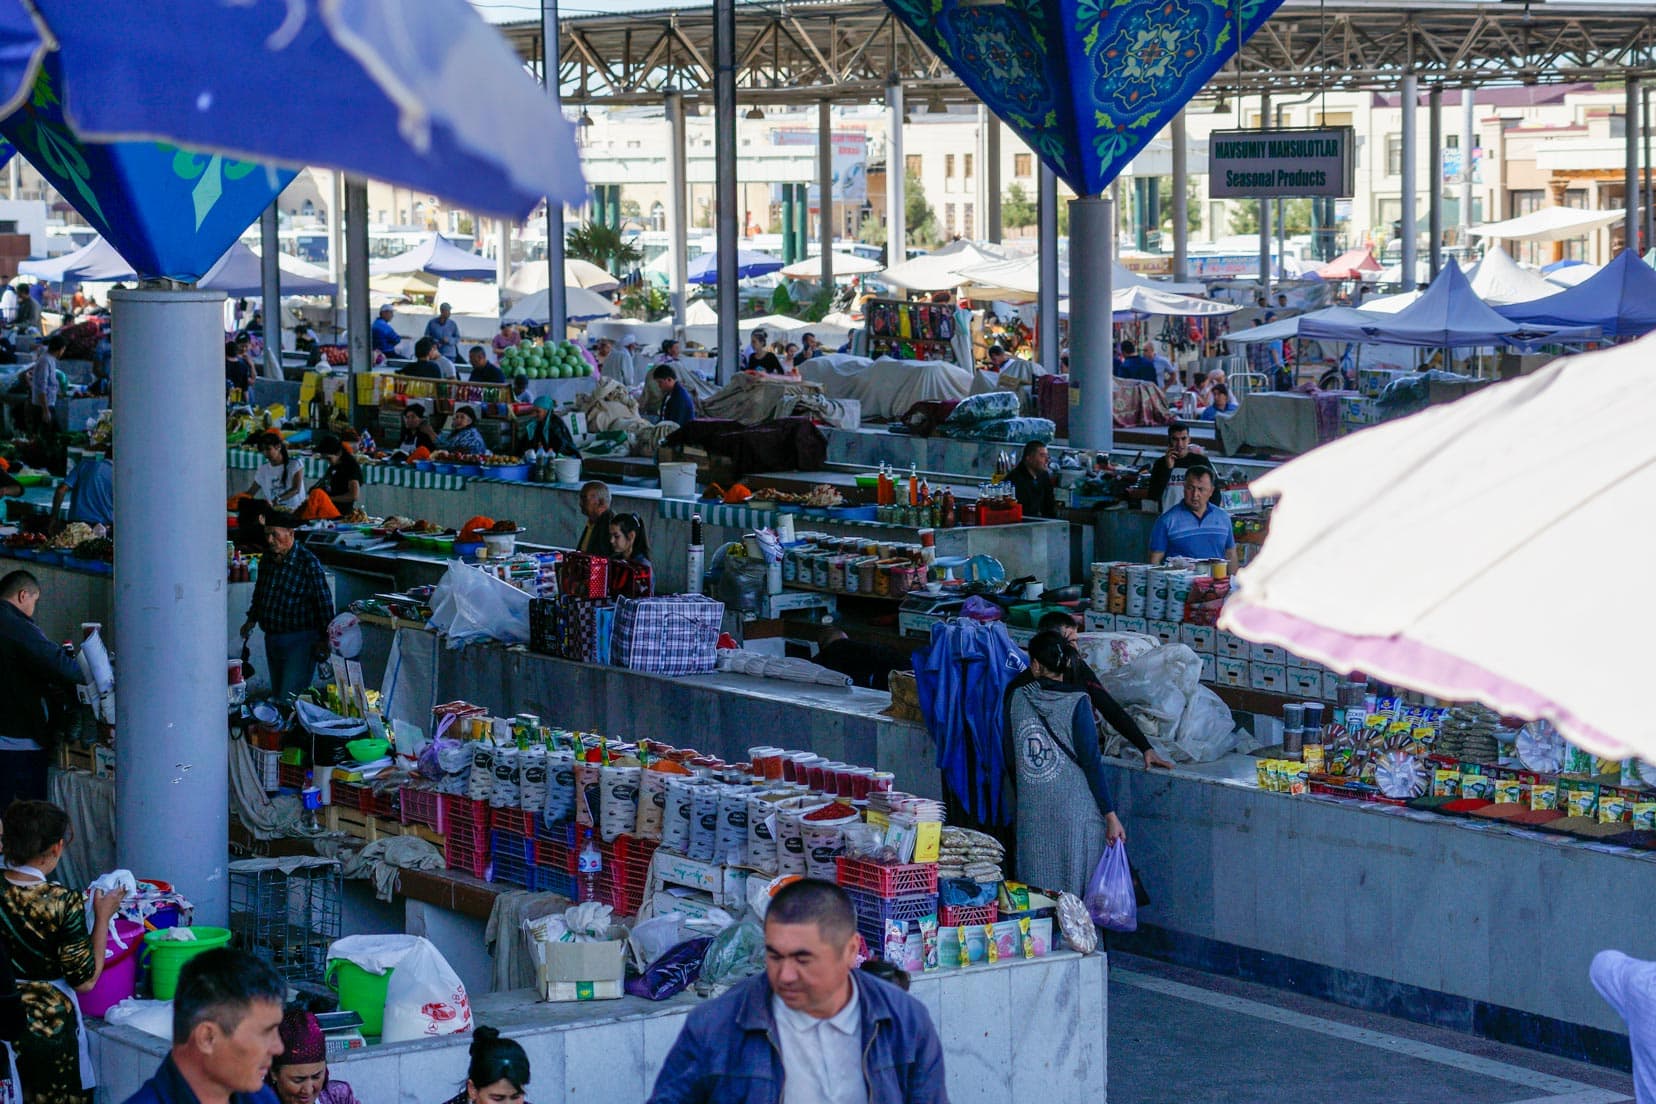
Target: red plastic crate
463	810
467	837
422	807
473	862
555	856
381	803
290	777
346	795
517	821
562	832
886	881
952	916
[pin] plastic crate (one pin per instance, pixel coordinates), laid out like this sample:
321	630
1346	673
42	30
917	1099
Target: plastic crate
873	911
422	807
511	869
468	837
287	917
385	804
556	856
564	832
472	861
268	764
886	881
953	916
463	810
290	776
517	821
518	847
347	795
553	881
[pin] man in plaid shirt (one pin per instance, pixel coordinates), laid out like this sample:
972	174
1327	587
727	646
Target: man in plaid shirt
293	606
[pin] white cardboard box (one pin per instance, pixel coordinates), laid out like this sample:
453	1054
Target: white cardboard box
1132	624
1099	622
1331	685
1269	677
1210	667
1267	653
1306	682
1230	646
1231	672
1201	638
1165	631
583	971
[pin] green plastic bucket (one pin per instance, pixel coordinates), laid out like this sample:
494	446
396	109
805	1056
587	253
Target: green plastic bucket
360	992
168	956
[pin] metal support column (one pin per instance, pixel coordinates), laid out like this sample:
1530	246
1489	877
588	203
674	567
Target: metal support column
729	213
825	190
1046	236
172	776
802	219
557	298
503	257
1469	115
336	232
789	245
1630	180
1645	192
1265	211
1181	200
676	259
1411	177
270	290
1092	375
1434	177
896	213
356	281
992	229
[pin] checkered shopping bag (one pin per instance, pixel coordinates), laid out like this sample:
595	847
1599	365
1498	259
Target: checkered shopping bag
674	634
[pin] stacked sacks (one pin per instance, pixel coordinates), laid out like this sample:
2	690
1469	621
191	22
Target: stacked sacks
965	853
1469	734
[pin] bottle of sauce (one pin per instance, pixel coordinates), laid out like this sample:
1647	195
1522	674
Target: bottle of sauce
948	518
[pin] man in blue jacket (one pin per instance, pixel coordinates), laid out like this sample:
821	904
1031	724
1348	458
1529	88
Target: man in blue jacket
831	1033
32	669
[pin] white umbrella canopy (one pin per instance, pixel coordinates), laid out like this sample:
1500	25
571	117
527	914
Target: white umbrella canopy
845	264
1501	604
1148	299
530	277
580	304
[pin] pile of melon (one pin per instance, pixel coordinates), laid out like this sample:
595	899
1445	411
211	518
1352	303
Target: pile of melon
543	361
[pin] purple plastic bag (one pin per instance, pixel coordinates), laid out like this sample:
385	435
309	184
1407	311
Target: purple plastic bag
676	970
979	608
1110	898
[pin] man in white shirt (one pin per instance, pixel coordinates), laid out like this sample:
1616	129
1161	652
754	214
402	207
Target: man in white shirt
618	362
8	305
812	1029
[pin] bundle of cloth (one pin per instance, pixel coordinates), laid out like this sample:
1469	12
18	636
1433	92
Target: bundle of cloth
886	387
751	399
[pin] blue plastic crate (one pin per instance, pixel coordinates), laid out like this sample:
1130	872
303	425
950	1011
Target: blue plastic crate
873	911
547	880
512	870
521	848
565	832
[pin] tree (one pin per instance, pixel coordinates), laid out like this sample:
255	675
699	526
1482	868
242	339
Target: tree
871	231
1017	209
603	246
918	216
1244	217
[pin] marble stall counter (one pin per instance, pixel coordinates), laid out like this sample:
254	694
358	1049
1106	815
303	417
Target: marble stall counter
1006	1030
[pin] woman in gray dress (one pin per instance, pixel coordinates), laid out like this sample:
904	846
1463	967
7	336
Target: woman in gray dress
1064	814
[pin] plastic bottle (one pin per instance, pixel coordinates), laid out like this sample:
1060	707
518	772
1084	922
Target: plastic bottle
591	865
913	486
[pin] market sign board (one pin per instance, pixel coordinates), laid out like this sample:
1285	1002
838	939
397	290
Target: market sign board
1270	164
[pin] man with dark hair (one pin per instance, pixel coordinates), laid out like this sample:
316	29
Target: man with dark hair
227	1016
1167	473
32	671
865	664
1195	528
293	605
676	404
1032	482
477	358
1134	366
811	1021
1079	674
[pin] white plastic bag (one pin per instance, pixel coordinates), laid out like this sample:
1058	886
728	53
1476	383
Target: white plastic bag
1156	684
424	998
152	1017
469	605
1206	730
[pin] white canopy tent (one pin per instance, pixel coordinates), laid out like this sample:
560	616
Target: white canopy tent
1499	280
1018	280
940	270
580	304
531	277
845	264
1571	275
1549	224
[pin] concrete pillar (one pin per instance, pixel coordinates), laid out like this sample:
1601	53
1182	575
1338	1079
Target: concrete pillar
270	290
1181	208
557	299
896	215
1411	176
172	777
729	211
336	230
1556	191
503	254
1469	114
1630	179
357	313
991	170
802	219
789	245
1092	373
825	190
677	262
1046	235
1434	176
1265	211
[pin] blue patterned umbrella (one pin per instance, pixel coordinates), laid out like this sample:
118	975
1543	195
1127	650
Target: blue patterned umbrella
1085	83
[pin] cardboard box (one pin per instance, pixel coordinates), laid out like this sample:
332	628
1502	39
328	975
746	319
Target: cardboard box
1267	653
1230	646
1202	639
1210	667
1133	624
1331	685
1269	677
1305	682
1231	672
1099	622
583	971
726	884
1165	631
103	761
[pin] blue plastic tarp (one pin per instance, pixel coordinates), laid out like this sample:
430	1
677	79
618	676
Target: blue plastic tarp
96	260
1620	299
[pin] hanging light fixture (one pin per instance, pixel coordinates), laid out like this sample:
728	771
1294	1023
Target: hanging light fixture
754	112
1223	107
585	120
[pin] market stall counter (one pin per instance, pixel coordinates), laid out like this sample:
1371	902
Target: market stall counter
1006	1029
1455	921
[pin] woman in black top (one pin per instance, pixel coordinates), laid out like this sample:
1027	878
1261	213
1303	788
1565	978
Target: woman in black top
630	543
343	479
498	1071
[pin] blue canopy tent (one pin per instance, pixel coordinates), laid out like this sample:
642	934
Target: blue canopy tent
1620	299
96	260
438	256
1086	85
1447	315
749	263
237	273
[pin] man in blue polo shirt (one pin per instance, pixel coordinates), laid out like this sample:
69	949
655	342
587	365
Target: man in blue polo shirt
1194	528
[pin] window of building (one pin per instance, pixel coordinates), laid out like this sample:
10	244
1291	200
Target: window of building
949	218
1023	164
967	221
911	164
949	166
1394	155
1333	118
968	159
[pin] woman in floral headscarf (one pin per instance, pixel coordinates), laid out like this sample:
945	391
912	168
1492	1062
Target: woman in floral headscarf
300	1073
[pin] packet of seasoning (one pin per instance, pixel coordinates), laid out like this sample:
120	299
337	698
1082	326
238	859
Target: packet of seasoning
1446	782
1644	815
965	952
1025	938
1508	791
1544	796
896	940
928	943
991	948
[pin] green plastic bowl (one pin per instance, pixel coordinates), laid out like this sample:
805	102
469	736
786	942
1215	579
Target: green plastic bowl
367	749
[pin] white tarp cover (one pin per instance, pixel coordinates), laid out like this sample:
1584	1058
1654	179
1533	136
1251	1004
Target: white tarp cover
886	388
1549	224
1499	280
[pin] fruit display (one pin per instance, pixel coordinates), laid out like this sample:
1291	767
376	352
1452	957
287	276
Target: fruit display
73	534
26	540
560	360
337	356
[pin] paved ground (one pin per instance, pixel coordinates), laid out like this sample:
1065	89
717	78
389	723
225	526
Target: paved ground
1183	1037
